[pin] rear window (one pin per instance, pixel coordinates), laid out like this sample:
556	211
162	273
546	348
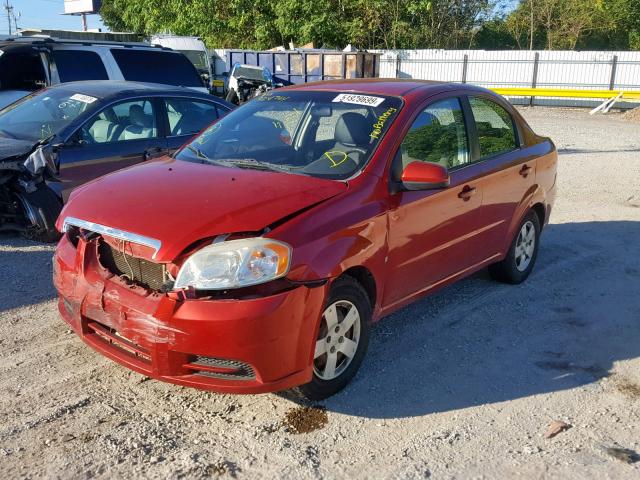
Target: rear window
74	65
156	66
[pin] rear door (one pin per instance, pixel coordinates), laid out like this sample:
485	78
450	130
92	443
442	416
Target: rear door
433	233
119	136
186	117
509	175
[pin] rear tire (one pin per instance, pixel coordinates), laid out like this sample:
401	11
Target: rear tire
40	210
522	254
342	340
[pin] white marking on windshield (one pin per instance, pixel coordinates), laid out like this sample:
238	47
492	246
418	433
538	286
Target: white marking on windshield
359	99
83	98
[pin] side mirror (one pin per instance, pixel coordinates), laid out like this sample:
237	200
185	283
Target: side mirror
424	176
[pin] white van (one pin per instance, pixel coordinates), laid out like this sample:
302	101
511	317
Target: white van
30	63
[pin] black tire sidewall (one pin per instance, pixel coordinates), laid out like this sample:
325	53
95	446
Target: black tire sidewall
349	290
47	206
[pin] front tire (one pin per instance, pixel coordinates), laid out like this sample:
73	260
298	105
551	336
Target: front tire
40	211
522	254
342	340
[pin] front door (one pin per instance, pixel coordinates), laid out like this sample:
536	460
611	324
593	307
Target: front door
433	233
119	136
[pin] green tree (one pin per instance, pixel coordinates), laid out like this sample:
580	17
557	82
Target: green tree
575	24
268	23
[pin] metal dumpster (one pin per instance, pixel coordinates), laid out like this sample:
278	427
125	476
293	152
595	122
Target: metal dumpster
300	66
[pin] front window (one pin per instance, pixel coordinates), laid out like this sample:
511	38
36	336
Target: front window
43	114
322	134
198	58
130	120
438	135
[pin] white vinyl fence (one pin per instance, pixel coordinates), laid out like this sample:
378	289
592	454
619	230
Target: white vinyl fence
517	68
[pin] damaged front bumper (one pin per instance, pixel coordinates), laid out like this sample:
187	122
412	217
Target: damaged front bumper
237	346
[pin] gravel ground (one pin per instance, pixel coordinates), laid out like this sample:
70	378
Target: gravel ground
462	384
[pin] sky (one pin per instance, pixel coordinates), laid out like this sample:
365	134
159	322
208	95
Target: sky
44	14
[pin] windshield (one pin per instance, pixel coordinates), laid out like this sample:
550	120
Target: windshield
322	134
197	57
250	73
43	114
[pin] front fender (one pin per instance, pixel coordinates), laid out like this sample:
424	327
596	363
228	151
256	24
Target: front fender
346	231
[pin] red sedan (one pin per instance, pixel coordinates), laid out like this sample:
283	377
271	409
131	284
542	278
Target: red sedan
256	258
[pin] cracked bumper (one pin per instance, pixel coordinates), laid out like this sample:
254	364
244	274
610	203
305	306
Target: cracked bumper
236	346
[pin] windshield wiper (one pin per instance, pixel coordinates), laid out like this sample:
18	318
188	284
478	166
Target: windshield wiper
250	163
257	164
199	153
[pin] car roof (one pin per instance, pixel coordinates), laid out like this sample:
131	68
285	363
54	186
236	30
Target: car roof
384	86
110	89
48	40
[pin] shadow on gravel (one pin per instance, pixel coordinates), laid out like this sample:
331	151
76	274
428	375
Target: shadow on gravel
25	273
479	342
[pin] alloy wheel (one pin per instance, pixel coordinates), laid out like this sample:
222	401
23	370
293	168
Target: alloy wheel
525	246
337	341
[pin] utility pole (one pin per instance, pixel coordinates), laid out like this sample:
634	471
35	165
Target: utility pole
9	9
531	26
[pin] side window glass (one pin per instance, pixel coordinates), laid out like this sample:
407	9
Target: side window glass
188	117
144	65
132	120
438	135
494	126
76	65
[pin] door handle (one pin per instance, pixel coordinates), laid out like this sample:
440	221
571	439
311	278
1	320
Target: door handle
525	170
467	192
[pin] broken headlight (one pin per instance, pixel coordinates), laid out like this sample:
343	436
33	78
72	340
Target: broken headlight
235	264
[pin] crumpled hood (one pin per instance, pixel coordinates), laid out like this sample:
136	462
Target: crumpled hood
179	202
10	147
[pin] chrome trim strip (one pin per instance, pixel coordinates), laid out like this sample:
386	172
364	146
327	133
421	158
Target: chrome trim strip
113	232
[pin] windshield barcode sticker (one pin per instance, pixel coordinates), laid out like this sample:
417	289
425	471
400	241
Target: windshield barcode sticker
83	98
359	99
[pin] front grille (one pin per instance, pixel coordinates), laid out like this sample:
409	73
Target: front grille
137	270
221	368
